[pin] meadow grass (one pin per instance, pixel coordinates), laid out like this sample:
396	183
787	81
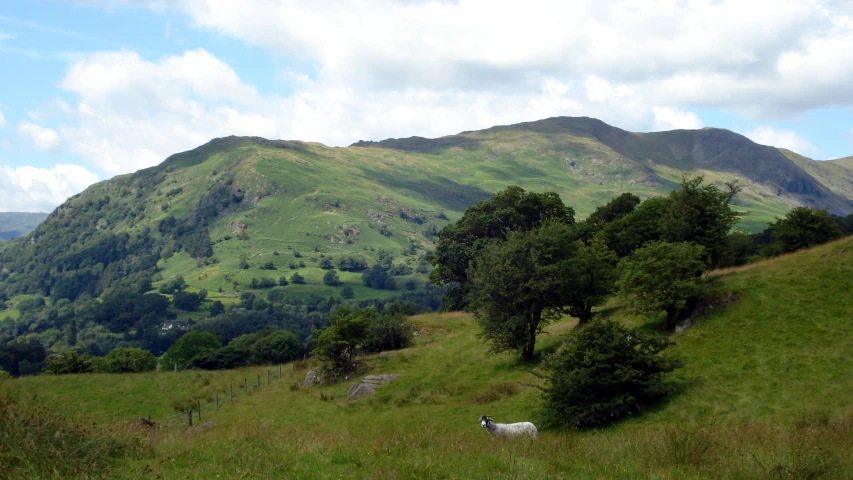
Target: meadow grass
765	393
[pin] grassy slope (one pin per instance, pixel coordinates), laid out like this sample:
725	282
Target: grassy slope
763	377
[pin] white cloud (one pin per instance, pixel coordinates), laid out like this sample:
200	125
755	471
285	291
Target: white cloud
392	68
31	189
783	139
672	119
2	120
43	138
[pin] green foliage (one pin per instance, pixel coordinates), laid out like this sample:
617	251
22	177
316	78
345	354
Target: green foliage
628	233
615	209
217	308
176	285
411	285
186	301
282	281
592	278
804	227
4	374
71	333
338	344
297	279
701	214
331	278
347	292
280	346
128	360
351	264
604	372
661	276
188	346
510	210
70	362
388	331
268	266
519	286
21	358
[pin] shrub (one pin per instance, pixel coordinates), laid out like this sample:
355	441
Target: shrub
186	301
187	347
331	278
280	346
268	266
129	360
411	285
231	356
70	362
604	372
347	293
388	332
297	279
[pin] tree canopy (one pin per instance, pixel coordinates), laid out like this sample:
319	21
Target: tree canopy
508	211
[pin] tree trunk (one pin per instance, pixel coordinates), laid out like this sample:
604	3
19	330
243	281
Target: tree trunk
671	317
536	317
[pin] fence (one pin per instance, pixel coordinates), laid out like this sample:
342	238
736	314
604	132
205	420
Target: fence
185	418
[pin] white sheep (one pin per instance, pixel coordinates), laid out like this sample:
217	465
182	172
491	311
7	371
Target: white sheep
507	429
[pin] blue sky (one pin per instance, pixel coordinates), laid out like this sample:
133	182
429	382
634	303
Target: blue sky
94	88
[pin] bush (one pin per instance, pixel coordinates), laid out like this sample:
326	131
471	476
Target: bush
804	227
186	301
388	332
604	372
187	347
347	292
297	279
129	360
331	278
280	346
411	285
70	362
232	356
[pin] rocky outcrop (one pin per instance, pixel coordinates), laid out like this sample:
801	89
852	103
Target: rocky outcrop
368	385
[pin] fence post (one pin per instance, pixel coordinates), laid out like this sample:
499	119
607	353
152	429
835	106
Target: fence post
279	370
199	410
268	377
246	384
217	402
190	417
259	381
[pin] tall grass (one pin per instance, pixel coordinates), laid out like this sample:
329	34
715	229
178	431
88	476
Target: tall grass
37	442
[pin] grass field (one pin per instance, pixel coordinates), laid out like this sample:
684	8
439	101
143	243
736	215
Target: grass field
765	393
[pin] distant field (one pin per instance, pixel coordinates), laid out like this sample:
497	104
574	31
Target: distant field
766	393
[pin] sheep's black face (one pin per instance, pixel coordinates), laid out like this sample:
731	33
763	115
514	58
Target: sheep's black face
485	420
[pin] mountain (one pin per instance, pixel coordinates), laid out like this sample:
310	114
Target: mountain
244	208
14	224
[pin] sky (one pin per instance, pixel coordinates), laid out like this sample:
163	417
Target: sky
90	89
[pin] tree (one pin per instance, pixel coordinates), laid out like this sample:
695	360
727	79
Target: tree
701	214
511	210
70	362
628	233
411	285
297	279
331	278
661	276
519	286
186	301
247	299
188	346
389	283
615	209
347	292
282	281
389	331
280	346
71	333
217	308
804	227
593	278
129	360
604	372
338	343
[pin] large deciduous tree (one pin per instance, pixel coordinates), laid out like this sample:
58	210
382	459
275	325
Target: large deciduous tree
661	276
519	285
804	227
508	211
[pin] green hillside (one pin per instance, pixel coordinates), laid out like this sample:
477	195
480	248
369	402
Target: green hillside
244	214
765	393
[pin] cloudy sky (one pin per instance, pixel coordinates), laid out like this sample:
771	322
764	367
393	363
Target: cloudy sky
94	88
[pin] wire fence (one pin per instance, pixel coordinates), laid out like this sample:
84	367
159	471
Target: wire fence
195	414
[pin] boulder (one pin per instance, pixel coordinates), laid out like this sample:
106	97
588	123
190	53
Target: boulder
312	378
368	385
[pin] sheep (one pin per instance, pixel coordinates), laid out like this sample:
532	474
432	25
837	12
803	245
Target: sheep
508	429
